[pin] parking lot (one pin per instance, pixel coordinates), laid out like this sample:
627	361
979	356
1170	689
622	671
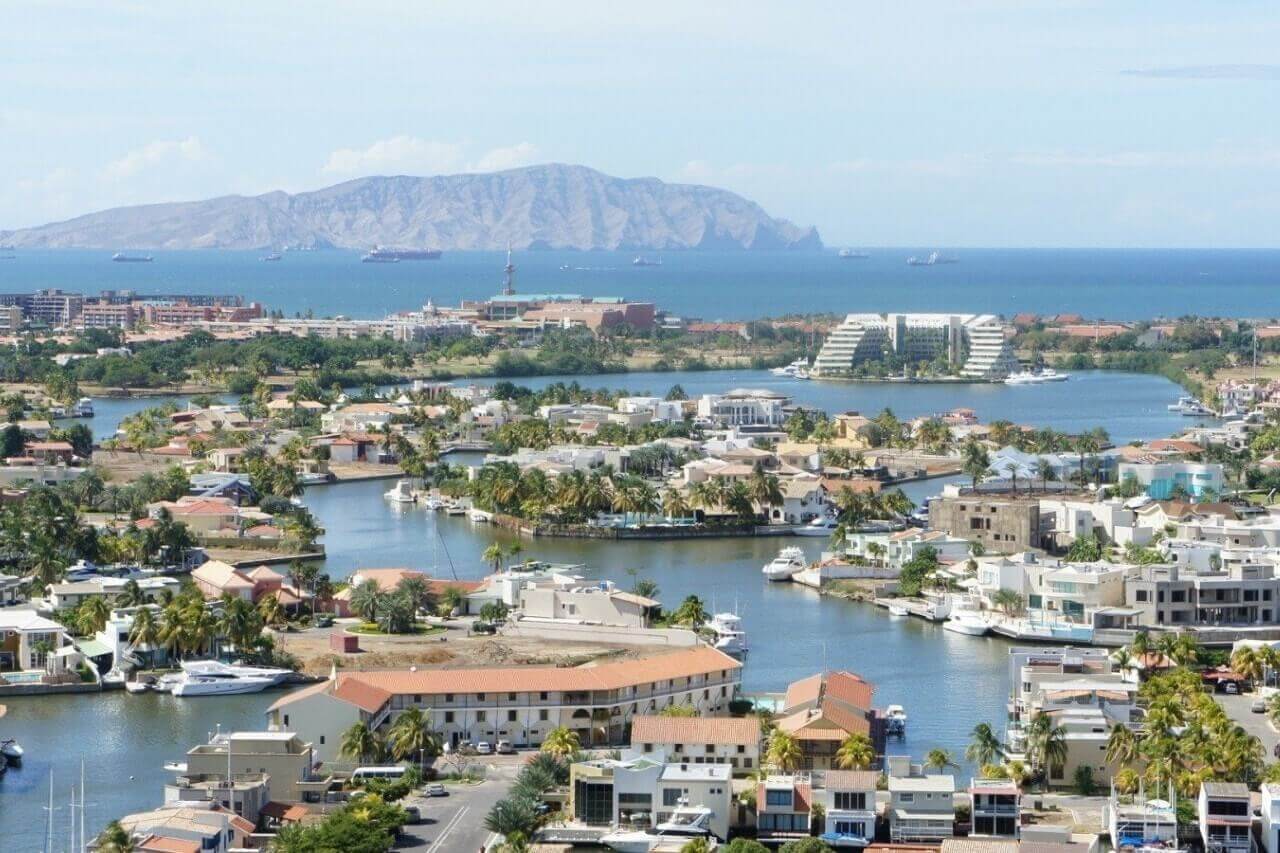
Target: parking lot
1238	709
456	822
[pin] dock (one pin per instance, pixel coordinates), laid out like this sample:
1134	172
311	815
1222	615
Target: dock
926	610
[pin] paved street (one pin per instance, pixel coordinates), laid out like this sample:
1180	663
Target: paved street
1238	709
455	824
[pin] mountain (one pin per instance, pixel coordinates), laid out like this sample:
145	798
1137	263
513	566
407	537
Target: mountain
540	207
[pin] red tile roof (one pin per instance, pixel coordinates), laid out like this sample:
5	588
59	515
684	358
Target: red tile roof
715	730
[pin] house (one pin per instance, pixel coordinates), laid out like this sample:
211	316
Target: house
784	807
641	791
744	407
201	515
921	806
1270	817
848	799
289	763
215	579
733	741
1239	594
567	598
1224	816
1004	525
51	452
68	594
188	828
803	500
1141	824
1165	480
520	704
996	807
387	581
823	710
28	641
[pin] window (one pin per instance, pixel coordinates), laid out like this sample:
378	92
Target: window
710	748
322	740
778	797
479	716
1177	595
448	716
542	715
511	697
906	797
448	697
286	720
671	796
741	749
850	800
511	716
479	697
543	696
1140	595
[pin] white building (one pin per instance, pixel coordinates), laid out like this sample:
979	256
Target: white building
1162	480
921	805
975	343
744	407
640	791
1226	821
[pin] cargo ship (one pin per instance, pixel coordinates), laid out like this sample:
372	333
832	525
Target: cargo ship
122	258
381	254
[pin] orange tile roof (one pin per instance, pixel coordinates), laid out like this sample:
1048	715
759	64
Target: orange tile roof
165	844
607	676
716	730
809	724
845	686
366	697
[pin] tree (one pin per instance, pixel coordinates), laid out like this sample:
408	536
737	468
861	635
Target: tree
783	752
975	461
1082	781
514	816
561	742
271	611
940	759
696	845
681	710
92	615
745	845
855	752
493	554
1046	743
691	612
366	599
361	744
1085	549
805	845
1122	745
411	736
397	614
144	634
984	746
114	839
416	591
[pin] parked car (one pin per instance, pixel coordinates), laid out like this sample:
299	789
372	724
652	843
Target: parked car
1259	706
505	748
435	789
483	748
1231	688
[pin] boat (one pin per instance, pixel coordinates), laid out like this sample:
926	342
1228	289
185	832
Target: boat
1191	407
895	720
852	255
11	750
383	254
898	610
480	516
684	823
729	636
433	503
798	369
1028	377
965	619
83	408
933	260
212	678
274	256
787	563
455	509
641	261
401	493
122	258
823	525
137	687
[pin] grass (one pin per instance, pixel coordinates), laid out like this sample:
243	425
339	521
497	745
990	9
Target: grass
371	629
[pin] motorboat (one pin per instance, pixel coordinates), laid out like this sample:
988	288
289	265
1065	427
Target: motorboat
1028	377
455	509
919	516
895	719
787	563
212	678
480	516
433	503
113	678
11	750
966	620
401	493
728	633
683	824
934	259
798	369
1191	407
83	408
898	610
823	525
137	687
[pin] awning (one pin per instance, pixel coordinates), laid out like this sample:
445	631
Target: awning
94	648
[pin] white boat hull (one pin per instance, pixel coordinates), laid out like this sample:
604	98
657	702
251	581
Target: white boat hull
899	611
220	686
136	687
779	574
824	532
970	627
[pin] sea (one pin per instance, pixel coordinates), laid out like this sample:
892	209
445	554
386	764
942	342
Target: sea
1122	284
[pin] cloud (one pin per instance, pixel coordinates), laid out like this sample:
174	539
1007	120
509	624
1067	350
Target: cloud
1209	72
158	153
405	154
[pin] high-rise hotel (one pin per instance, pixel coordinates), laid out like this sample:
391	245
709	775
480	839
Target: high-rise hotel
976	342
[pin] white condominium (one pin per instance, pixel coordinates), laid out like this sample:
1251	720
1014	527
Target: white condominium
975	342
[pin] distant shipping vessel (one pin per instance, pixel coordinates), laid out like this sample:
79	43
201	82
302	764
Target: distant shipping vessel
122	258
645	262
934	259
381	253
274	256
852	255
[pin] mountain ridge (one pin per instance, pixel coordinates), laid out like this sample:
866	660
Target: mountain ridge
551	206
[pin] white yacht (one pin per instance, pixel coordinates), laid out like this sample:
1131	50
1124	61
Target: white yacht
787	563
212	678
1190	407
729	636
401	493
798	369
823	525
685	822
433	503
966	619
479	515
898	610
895	720
1028	377
83	408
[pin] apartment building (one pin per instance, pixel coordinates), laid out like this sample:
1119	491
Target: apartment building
518	704
921	806
1003	524
54	308
974	344
641	791
996	808
565	597
1225	818
285	759
11	319
1164	480
1237	594
733	741
1270	829
187	826
99	314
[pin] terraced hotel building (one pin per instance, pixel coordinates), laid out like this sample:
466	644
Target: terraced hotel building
975	342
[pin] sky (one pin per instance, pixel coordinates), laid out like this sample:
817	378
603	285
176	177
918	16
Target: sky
976	123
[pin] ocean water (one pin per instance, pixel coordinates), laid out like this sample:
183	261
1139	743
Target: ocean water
1118	284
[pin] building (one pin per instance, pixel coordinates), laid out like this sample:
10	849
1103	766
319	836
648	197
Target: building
54	308
996	807
215	579
1225	818
1270	829
563	597
28	641
784	808
641	791
974	345
99	314
1142	824
11	319
734	741
1003	525
187	828
518	704
285	759
744	407
921	806
1239	594
1165	480
389	579
597	314
823	710
848	799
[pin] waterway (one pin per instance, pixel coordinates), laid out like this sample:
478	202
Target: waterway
947	682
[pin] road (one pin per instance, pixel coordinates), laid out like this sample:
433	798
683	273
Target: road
1238	709
455	824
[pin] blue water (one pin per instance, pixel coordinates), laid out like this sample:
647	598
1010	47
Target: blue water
1120	284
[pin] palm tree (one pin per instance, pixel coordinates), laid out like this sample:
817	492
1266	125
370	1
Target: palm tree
114	839
984	747
561	742
855	752
493	554
411	736
691	612
416	590
92	615
270	610
1044	470
1046	743
366	599
144	633
1247	662
1123	660
975	461
1122	745
360	743
513	818
1011	468
940	759
784	751
674	503
1141	644
131	595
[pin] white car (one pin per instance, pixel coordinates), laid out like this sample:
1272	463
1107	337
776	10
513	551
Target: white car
505	748
483	748
435	789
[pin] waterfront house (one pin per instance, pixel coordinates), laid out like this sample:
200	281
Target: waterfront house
996	807
68	594
821	711
1163	480
518	704
215	579
1003	524
568	598
752	409
389	579
1238	594
1224	816
1142	824
640	791
175	827
897	548
848	800
289	763
733	741
784	806
921	805
28	642
10	589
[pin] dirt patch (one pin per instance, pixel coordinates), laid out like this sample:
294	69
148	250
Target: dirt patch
121	466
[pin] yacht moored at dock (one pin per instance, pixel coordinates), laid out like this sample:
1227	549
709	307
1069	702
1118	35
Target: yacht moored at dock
798	369
1191	407
213	678
787	563
401	492
685	823
728	633
823	525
